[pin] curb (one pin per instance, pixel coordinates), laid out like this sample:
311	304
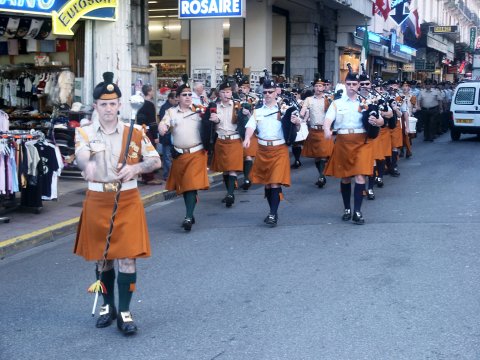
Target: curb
54	232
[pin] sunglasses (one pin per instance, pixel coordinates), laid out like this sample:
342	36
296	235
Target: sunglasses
269	92
351	83
186	94
364	83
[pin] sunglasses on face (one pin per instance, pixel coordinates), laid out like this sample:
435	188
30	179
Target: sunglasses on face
269	92
351	83
186	94
364	83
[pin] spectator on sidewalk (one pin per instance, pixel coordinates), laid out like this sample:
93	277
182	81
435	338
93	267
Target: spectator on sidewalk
164	143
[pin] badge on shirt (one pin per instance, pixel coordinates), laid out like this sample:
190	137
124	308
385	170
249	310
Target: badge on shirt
134	153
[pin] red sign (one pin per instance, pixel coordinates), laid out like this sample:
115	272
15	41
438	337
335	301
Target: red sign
452	70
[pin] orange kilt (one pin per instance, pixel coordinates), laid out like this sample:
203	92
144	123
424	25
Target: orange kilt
130	237
396	135
228	155
271	165
253	148
386	142
377	148
351	156
316	146
188	172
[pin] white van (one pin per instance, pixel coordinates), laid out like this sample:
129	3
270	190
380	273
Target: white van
465	109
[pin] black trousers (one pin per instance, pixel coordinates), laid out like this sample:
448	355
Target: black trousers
429	117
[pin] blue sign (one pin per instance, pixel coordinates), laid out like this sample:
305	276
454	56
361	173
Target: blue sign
199	9
45	7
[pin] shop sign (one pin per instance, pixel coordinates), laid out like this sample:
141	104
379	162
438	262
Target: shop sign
200	9
46	7
443	29
408	67
473	36
430	66
452	70
419	65
74	10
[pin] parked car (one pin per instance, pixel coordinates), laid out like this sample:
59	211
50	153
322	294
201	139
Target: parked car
465	110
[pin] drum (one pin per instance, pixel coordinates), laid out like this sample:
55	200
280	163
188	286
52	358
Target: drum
302	133
412	125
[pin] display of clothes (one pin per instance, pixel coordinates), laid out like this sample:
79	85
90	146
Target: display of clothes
29	166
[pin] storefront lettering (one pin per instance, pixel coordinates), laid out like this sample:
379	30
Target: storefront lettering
199	8
29	4
66	17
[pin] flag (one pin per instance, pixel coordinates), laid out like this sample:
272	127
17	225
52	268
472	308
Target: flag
412	22
365	47
382	8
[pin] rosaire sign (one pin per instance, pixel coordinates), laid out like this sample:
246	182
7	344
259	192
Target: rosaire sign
194	9
74	10
46	7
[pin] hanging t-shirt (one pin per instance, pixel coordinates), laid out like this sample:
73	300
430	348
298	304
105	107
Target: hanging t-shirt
49	163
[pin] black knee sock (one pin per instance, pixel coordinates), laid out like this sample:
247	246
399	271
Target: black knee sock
126	287
275	202
380	168
231	184
108	279
297	151
225	180
247	167
358	196
268	195
394	158
320	164
388	161
371	182
190	198
346	190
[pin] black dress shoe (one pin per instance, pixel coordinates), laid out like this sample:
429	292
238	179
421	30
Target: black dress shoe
246	184
229	200
321	182
126	324
408	156
296	164
187	224
394	172
107	315
224	200
379	182
370	194
358	218
347	215
271	220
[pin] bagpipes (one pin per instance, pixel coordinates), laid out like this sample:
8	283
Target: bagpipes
291	107
369	107
207	129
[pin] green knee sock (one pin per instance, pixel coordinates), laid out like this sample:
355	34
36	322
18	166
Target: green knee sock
225	180
190	198
108	280
126	287
320	166
231	184
247	167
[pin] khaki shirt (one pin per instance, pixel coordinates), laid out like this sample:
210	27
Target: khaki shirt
225	115
105	149
185	127
316	108
429	98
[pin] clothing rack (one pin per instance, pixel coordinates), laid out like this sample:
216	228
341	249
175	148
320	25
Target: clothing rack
10	202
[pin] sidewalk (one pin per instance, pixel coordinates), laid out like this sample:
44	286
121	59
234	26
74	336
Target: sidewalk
59	218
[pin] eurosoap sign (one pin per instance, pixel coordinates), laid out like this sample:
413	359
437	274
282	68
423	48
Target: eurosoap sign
46	7
195	9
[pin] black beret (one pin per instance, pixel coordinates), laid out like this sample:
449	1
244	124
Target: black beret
268	84
107	89
363	77
352	76
183	87
225	85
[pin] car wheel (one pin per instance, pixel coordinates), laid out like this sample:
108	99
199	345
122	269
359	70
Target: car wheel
455	134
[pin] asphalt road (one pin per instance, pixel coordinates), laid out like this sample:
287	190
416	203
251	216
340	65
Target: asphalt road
403	286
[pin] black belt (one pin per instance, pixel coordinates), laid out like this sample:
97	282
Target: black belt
428	109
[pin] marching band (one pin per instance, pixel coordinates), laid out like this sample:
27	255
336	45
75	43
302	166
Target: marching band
358	134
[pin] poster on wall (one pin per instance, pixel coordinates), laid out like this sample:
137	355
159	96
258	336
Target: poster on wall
202	75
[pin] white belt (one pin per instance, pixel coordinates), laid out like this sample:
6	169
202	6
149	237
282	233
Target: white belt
271	142
350	131
189	150
317	127
112	186
229	137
